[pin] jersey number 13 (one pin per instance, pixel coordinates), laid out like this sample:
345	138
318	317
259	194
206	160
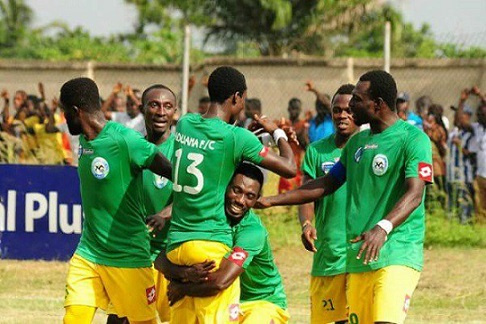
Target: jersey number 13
196	159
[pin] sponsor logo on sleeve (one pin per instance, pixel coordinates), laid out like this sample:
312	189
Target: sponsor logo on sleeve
264	151
425	171
238	256
234	312
406	303
380	164
100	168
151	294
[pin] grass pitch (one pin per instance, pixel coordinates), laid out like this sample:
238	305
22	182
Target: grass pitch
452	288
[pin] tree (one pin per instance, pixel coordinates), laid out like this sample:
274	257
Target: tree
15	18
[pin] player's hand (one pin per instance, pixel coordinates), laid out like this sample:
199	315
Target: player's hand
309	86
128	91
373	240
262	123
309	235
262	203
117	88
199	272
157	222
464	94
54	102
291	134
174	292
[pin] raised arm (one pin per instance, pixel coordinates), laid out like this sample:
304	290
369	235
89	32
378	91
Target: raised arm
105	108
130	94
51	122
319	95
283	164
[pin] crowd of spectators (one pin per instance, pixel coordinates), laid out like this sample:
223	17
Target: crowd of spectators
36	132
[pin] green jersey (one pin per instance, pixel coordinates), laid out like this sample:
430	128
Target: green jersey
261	279
330	211
158	195
377	166
206	153
110	172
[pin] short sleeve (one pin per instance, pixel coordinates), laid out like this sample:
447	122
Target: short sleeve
248	243
248	147
309	165
141	151
418	157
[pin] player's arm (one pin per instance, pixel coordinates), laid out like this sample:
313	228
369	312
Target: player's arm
51	122
283	164
161	166
217	281
193	274
418	172
105	107
319	95
310	191
376	237
306	217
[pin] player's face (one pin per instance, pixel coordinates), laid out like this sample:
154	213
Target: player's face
342	116
241	195
159	107
362	106
19	100
73	119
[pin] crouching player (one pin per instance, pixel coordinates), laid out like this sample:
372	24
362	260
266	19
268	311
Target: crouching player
262	298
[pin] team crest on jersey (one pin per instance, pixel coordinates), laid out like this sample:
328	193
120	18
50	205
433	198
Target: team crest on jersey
358	154
100	168
326	167
151	294
380	164
234	312
160	182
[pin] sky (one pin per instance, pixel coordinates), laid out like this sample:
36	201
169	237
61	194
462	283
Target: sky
453	20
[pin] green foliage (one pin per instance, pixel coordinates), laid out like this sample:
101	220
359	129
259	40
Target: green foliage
15	18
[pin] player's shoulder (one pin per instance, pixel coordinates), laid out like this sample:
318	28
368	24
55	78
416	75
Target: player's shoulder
323	142
252	225
413	133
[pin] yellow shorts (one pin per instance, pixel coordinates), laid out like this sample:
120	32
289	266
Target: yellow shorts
262	312
162	303
222	308
131	291
328	299
382	295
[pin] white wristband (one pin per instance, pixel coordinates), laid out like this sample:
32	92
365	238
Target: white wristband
386	225
278	134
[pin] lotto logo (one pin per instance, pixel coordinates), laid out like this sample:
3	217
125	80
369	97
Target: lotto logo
150	292
425	171
406	303
238	256
234	312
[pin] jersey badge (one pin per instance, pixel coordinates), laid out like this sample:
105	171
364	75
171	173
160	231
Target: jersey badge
238	256
326	167
358	154
380	164
425	171
100	168
151	294
234	312
406	303
160	182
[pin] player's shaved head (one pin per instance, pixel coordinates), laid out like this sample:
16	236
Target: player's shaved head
81	93
156	86
224	82
382	85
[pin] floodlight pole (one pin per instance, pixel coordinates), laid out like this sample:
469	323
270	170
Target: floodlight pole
386	48
185	69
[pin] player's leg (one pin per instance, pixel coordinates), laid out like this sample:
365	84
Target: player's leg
328	299
217	309
394	287
359	295
84	291
131	292
264	312
162	303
